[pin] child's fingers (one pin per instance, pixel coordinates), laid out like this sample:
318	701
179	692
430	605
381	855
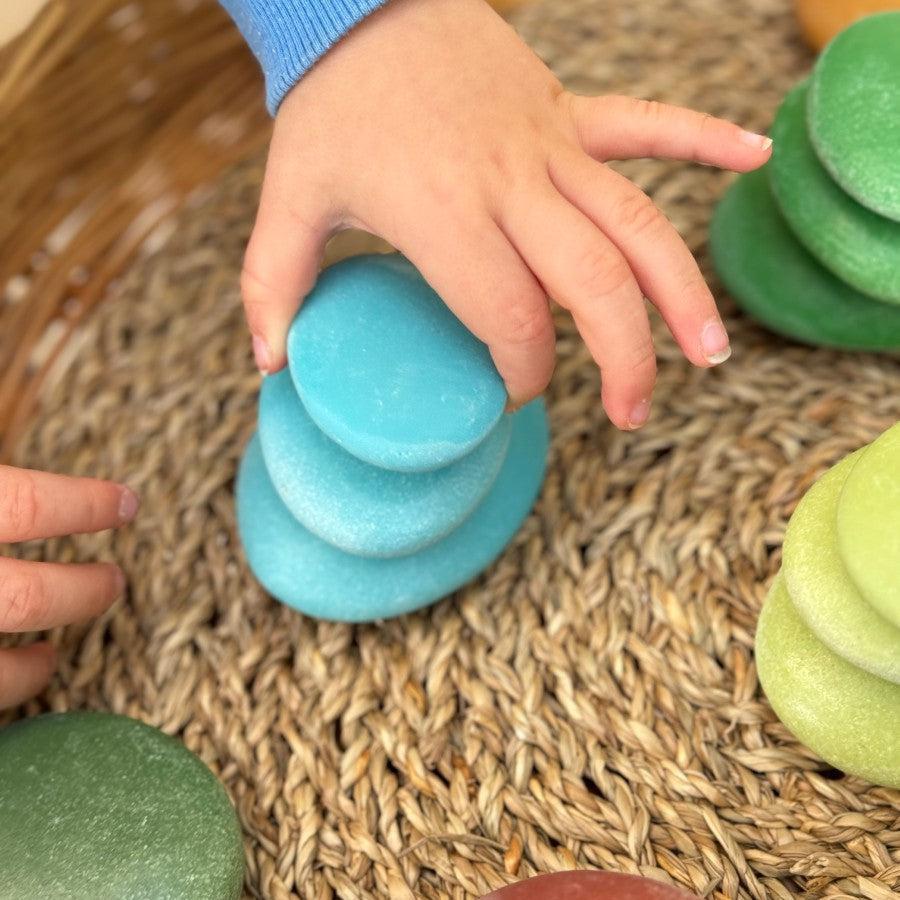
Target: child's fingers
664	267
280	268
494	294
24	671
626	128
35	596
41	505
584	271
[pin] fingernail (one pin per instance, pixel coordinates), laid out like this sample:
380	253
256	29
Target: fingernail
262	355
714	342
757	141
639	414
128	505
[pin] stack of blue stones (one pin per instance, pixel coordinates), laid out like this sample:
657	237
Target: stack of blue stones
384	473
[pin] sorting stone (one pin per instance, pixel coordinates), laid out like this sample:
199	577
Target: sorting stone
99	805
854	112
589	885
379	496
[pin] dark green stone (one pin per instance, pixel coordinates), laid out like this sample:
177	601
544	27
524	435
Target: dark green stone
854	111
99	806
858	245
771	275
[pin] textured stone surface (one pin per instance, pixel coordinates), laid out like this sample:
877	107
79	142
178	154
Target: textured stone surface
588	885
848	716
868	524
105	807
858	245
854	111
358	507
387	371
777	281
318	579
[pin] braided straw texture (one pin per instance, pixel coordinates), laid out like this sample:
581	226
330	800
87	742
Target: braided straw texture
592	700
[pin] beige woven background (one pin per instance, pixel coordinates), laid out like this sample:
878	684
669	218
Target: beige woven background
592	701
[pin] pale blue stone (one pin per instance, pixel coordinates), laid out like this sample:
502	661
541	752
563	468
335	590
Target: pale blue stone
318	579
358	507
387	371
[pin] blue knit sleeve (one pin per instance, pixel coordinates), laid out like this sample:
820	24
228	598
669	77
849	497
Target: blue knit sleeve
288	36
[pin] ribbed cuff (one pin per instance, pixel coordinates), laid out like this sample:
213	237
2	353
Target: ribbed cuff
288	36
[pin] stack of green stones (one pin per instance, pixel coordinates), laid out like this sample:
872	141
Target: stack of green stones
810	244
828	642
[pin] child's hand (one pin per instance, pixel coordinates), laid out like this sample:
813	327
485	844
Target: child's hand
435	127
35	596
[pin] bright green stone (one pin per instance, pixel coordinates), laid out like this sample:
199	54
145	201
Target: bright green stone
821	589
854	111
846	715
868	524
103	807
858	245
775	279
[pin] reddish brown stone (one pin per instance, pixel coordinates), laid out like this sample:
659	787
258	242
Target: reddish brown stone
589	885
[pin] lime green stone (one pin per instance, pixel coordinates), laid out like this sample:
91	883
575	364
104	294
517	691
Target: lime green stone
821	589
846	715
103	807
868	524
777	281
856	244
854	111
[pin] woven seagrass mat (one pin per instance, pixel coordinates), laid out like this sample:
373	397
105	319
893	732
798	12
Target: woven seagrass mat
592	700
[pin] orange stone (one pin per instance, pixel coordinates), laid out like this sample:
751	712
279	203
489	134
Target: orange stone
821	20
585	884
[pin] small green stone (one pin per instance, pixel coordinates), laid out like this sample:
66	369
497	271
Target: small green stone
822	592
775	279
103	807
868	524
846	715
861	247
854	111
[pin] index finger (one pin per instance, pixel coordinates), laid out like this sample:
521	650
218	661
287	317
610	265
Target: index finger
40	505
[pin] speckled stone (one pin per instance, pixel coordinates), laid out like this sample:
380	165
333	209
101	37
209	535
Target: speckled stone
868	524
102	807
584	884
854	111
846	715
360	508
821	590
318	579
387	371
773	278
859	246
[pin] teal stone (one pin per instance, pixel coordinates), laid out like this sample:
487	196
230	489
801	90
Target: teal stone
96	806
320	580
822	591
859	246
854	111
360	508
387	371
774	279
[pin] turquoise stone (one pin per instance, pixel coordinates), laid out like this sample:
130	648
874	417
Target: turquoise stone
97	806
771	275
360	508
320	580
387	371
856	244
822	591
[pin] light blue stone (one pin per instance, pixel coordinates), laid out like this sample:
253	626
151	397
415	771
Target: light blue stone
318	579
387	371
358	507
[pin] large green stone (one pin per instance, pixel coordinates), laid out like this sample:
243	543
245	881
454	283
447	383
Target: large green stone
854	111
776	280
858	245
821	590
103	807
868	524
848	716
